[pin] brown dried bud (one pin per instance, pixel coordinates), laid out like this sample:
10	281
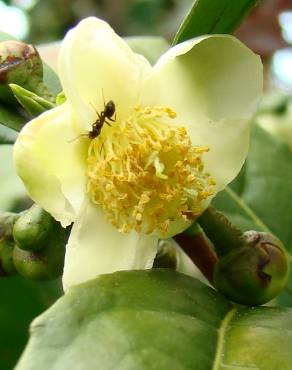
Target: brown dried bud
20	64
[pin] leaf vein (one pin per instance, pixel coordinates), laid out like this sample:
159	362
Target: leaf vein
221	338
248	211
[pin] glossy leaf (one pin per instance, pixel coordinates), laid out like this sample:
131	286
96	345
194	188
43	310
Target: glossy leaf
210	17
21	301
260	198
156	320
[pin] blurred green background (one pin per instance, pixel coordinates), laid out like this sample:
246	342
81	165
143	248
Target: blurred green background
41	21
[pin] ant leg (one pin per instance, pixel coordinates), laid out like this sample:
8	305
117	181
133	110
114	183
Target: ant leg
77	137
112	119
93	107
108	123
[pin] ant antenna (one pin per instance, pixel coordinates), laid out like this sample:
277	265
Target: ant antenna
93	107
102	93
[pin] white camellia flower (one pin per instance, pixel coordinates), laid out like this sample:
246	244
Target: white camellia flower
178	134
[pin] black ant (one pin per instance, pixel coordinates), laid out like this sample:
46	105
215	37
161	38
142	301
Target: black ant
103	117
107	113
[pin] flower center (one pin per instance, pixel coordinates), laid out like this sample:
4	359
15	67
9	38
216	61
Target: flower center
145	173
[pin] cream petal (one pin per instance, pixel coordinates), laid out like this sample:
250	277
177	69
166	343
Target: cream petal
95	66
51	161
95	247
214	84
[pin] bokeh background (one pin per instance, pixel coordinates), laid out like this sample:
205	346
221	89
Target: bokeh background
267	30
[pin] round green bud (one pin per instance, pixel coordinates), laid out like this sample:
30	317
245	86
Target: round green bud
21	64
44	264
33	228
254	273
6	258
7	220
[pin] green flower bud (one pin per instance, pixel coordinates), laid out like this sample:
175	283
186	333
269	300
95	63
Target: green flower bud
44	264
6	260
254	273
7	221
166	256
33	228
32	103
20	64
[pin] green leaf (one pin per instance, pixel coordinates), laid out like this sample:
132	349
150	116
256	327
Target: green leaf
51	80
7	135
156	320
210	17
260	198
21	301
11	118
31	102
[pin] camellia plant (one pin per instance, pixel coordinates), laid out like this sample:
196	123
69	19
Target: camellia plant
128	163
150	167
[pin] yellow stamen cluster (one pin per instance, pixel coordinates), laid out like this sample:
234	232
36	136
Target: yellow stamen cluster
145	173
